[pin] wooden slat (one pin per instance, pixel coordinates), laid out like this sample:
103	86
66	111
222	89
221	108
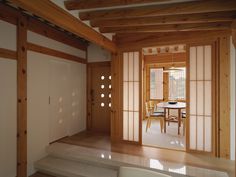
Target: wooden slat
164	9
168	28
139	40
56	15
55	53
21	97
50	32
6	53
167	19
91	4
224	94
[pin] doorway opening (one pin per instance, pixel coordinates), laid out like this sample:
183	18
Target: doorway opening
164	95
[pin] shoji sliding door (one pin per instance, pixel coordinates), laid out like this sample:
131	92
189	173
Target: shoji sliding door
200	98
131	97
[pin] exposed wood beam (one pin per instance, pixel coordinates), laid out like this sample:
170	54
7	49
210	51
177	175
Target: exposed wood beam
168	28
139	40
92	4
56	15
22	97
160	10
167	19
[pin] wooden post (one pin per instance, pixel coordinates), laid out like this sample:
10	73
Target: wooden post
22	97
224	94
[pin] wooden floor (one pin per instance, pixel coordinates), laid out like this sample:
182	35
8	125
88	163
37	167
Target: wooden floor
102	141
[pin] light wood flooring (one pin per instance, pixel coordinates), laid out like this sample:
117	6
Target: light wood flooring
102	141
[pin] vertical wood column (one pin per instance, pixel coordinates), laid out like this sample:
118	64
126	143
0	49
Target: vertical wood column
115	98
21	97
224	93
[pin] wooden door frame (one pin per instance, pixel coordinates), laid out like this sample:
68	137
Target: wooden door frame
88	82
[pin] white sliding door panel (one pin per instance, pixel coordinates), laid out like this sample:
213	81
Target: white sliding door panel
59	99
131	99
8	113
200	95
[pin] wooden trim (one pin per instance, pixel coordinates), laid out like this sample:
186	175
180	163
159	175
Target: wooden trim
50	32
101	63
6	53
91	4
164	20
22	97
55	53
165	58
56	15
187	8
168	27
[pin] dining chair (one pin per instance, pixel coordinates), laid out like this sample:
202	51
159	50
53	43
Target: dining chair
150	115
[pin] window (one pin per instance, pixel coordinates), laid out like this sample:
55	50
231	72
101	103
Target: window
177	84
156	83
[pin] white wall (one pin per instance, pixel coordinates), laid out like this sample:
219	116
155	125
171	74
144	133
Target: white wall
97	53
8	102
39	127
232	101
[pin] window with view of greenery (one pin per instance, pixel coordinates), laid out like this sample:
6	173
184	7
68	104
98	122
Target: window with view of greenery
177	85
156	83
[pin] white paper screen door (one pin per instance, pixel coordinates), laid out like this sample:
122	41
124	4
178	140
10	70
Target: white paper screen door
131	100
200	98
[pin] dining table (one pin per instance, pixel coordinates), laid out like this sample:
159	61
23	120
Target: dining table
167	106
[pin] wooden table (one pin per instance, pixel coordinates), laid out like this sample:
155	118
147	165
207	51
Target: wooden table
167	118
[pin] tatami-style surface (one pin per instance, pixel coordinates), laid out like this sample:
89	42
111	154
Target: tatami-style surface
169	140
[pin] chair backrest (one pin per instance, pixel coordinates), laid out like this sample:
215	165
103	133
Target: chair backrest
147	109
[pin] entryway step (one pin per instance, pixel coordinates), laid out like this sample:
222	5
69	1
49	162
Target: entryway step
68	168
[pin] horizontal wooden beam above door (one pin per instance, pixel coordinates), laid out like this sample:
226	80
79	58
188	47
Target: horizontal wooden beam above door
166	19
160	10
92	4
57	16
168	28
9	54
165	58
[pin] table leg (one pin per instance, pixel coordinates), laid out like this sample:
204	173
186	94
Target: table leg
164	120
179	120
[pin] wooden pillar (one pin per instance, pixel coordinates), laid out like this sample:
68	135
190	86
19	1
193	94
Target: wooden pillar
224	93
22	97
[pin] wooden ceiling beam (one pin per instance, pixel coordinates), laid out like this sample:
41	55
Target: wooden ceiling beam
167	19
56	15
160	10
92	4
168	28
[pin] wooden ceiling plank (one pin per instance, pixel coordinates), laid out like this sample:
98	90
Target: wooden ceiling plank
160	10
92	4
168	28
167	19
56	15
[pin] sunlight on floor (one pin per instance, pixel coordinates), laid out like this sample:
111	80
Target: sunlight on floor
169	140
